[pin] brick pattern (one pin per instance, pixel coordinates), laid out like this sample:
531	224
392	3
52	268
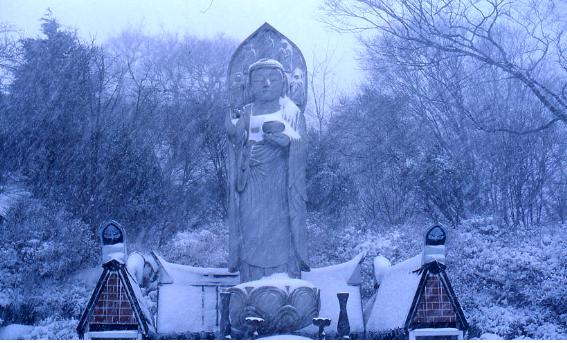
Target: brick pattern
113	306
434	305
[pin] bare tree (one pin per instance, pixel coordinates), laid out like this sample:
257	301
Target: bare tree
524	40
321	83
8	52
105	83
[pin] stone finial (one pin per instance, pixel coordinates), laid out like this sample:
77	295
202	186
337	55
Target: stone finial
113	239
434	249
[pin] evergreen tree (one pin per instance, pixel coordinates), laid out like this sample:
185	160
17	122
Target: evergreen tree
47	111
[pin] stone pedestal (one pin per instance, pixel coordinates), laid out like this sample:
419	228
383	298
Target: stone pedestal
285	304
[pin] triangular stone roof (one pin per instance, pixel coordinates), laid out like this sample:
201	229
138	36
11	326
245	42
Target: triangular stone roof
116	279
401	293
435	303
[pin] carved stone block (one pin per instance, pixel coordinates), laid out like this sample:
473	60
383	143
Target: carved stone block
286	305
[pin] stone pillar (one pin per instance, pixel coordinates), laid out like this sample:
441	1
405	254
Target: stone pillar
225	328
343	326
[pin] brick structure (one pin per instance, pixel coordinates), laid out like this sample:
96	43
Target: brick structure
435	307
435	312
113	306
116	309
415	298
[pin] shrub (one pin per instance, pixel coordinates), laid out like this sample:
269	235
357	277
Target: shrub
40	247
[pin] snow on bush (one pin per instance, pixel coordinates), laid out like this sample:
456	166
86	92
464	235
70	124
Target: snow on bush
511	280
14	331
204	247
40	248
39	241
52	328
329	244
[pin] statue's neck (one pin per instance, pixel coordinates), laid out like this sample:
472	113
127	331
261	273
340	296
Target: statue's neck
260	108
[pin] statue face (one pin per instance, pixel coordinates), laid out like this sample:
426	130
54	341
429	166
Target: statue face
266	84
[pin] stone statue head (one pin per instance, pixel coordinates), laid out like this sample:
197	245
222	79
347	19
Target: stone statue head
267	80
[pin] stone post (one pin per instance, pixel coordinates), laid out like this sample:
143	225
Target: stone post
343	326
225	319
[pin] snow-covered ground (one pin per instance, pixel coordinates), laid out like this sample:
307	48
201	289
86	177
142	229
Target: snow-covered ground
15	331
48	329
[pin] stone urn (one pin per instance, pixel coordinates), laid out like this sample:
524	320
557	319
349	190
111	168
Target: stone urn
285	304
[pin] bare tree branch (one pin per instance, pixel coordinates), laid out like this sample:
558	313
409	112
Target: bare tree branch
518	39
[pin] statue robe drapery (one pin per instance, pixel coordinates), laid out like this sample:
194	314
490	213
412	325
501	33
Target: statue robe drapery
267	199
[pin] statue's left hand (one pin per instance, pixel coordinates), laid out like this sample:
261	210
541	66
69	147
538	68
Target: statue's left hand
277	139
303	266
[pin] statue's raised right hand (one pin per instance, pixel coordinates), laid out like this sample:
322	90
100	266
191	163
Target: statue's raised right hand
236	132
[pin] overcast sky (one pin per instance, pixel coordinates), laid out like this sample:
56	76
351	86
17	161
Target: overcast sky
297	19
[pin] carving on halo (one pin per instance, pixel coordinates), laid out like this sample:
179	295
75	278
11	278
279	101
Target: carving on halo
267	42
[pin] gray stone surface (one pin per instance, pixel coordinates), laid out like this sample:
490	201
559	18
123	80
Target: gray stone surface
267	157
267	42
284	305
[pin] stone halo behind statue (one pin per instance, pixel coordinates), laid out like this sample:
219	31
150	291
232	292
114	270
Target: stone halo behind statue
266	42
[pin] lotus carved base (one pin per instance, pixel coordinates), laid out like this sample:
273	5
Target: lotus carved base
286	305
